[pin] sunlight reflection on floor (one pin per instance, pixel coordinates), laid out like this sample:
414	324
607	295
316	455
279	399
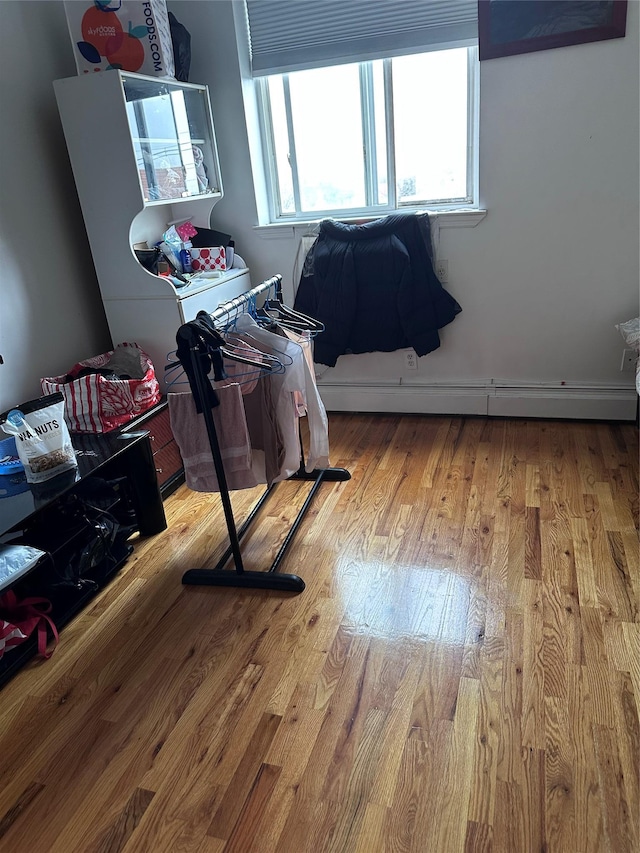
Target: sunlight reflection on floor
404	602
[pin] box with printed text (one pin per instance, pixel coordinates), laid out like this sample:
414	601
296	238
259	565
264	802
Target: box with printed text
132	35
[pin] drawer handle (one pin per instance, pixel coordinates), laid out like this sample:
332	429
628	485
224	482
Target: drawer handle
158	470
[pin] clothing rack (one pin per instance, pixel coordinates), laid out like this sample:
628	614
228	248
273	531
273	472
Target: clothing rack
272	578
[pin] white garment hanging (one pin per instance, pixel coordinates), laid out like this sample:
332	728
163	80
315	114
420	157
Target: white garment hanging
296	377
318	455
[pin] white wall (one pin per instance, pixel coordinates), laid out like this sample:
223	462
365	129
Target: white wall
50	312
542	279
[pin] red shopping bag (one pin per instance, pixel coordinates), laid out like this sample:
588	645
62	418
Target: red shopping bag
20	618
95	402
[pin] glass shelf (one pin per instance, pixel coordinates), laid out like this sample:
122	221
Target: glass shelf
173	139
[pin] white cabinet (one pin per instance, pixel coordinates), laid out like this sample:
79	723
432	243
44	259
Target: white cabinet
143	154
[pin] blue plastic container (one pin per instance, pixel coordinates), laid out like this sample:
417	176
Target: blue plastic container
8	448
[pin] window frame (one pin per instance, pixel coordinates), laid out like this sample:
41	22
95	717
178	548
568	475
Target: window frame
470	203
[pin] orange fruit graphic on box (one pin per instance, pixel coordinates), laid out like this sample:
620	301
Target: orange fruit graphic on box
125	51
98	27
103	36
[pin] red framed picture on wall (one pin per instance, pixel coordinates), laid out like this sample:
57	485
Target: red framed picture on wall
508	27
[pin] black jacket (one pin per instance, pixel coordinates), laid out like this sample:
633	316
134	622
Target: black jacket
374	288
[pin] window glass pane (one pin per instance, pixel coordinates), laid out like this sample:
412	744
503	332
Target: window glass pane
380	123
281	144
430	124
327	123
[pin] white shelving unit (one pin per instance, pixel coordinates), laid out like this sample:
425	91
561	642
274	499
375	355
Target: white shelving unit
131	143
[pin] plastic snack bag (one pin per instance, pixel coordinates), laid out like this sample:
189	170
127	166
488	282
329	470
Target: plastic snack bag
42	437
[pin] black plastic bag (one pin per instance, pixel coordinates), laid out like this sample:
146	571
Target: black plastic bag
209	237
181	39
149	258
91	511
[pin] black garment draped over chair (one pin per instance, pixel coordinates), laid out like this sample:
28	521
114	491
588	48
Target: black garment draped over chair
374	288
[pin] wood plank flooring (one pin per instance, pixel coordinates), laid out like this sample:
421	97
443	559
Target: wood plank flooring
462	672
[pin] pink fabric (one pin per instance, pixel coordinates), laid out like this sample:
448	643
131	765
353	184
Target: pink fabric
190	432
266	437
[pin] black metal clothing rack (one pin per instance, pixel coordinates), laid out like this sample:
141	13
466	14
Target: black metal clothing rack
272	578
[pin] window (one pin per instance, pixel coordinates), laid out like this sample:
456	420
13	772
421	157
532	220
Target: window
372	137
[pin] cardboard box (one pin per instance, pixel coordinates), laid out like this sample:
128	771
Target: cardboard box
133	35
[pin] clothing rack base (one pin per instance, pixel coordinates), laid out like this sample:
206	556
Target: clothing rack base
218	575
247	580
331	475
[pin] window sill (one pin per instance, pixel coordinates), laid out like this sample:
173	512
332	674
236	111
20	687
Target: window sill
443	218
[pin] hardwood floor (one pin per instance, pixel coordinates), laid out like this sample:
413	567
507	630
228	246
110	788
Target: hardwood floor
462	672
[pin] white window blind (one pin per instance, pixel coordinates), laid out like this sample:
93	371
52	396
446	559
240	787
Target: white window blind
291	35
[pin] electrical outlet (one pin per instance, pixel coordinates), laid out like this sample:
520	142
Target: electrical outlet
442	271
410	360
629	359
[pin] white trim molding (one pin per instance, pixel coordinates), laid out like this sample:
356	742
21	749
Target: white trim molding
499	398
443	218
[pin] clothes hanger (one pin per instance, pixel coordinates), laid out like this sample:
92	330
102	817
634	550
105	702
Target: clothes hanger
206	323
232	333
202	336
245	335
283	357
269	318
244	349
294	319
285	312
269	364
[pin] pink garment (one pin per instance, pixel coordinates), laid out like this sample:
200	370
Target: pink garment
297	377
190	432
269	452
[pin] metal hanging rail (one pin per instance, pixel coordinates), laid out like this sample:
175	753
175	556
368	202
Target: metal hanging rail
226	308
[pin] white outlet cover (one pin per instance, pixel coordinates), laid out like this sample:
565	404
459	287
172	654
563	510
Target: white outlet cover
442	271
